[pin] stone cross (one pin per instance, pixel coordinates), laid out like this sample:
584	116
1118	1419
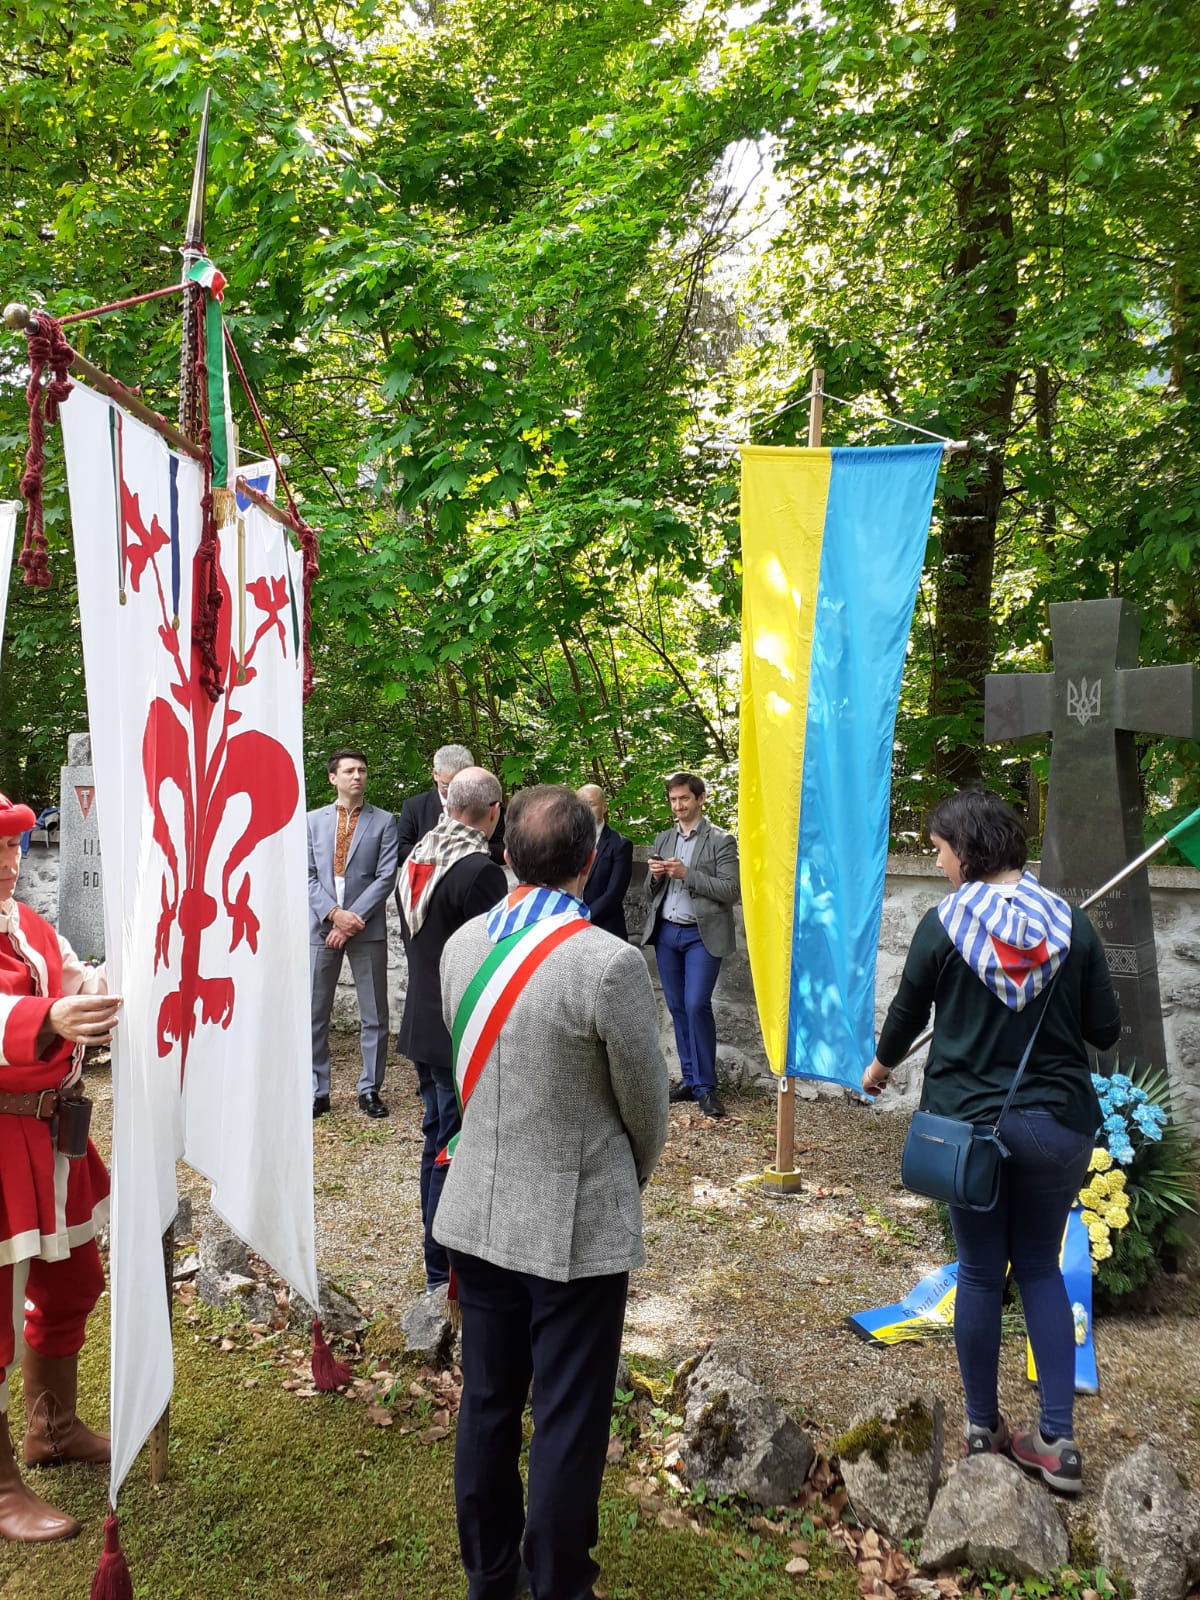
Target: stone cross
1092	704
80	901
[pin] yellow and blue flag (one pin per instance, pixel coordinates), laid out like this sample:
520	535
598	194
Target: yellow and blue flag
832	547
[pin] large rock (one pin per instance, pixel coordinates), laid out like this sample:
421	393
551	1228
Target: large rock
989	1514
891	1461
428	1330
736	1440
1149	1525
233	1291
221	1251
338	1312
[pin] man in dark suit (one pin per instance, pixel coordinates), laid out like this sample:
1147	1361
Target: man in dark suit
351	870
608	881
420	812
447	879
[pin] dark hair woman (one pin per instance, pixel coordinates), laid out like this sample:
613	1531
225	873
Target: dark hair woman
983	960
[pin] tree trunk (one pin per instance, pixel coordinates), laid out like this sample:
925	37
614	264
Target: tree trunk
982	294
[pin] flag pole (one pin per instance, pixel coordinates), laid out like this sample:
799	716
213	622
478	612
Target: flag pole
189	422
783	1178
1117	879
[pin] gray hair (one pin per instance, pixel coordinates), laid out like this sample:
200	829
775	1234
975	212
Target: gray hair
453	758
471	793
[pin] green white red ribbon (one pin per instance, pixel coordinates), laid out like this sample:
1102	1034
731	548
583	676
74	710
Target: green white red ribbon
224	448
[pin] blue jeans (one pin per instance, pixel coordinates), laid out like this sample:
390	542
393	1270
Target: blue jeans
1038	1185
689	975
439	1125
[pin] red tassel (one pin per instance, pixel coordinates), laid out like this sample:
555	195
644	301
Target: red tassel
111	1580
328	1374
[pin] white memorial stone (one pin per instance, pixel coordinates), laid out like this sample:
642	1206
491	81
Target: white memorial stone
80	901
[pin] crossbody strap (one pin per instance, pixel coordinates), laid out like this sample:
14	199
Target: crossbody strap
1012	1088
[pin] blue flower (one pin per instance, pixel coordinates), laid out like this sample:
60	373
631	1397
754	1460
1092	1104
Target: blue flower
1118	1094
1099	1084
1121	1151
1115	1123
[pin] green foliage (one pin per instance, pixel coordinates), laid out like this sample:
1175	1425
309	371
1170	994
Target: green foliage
511	292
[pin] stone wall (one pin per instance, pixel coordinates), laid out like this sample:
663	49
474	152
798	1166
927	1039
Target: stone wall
913	885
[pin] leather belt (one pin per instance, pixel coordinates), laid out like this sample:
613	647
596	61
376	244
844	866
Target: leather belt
42	1103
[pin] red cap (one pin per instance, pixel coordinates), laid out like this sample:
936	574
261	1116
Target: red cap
14	819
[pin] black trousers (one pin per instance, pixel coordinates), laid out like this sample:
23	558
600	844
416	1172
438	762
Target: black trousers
567	1338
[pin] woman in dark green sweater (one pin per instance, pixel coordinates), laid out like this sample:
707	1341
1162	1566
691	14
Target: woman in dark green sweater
982	960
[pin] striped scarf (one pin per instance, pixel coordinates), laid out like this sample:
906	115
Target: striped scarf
1014	937
446	842
528	904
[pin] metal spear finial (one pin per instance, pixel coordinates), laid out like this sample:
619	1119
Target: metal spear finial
193	237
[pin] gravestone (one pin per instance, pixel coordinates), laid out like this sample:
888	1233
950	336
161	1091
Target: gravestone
80	901
1092	704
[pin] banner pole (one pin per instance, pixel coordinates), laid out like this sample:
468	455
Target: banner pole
783	1178
189	416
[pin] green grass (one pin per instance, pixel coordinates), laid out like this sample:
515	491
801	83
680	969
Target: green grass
287	1498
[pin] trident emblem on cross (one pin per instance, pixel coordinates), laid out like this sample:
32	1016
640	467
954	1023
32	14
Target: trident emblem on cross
1083	700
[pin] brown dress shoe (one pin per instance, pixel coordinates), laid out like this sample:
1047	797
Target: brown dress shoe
53	1431
24	1516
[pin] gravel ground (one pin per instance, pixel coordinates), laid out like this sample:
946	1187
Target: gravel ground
776	1277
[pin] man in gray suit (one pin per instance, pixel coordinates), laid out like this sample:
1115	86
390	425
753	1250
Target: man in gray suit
351	872
565	1093
694	882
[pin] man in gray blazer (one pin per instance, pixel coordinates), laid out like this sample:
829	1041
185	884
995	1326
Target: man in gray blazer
565	1093
351	872
694	882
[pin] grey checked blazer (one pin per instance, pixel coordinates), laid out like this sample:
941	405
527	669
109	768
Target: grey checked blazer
713	881
568	1117
370	871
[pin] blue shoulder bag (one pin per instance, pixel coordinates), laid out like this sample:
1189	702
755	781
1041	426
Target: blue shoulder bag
957	1162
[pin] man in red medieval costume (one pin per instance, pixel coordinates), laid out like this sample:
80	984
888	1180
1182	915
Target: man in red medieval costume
51	1199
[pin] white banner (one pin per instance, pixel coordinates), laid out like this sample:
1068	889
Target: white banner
202	833
8	529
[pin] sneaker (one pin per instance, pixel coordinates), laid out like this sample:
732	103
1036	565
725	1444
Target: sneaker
979	1441
679	1092
711	1105
1059	1464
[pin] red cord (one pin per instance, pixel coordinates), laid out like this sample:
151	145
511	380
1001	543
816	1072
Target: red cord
304	533
48	347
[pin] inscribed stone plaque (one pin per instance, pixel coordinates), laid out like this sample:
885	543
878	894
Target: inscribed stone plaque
1092	704
80	901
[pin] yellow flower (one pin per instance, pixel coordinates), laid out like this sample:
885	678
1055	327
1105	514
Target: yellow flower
1116	1181
1102	1182
1101	1252
1117	1217
1090	1219
1091	1198
1101	1160
1098	1234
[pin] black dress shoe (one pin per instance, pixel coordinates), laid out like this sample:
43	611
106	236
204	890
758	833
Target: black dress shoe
711	1105
372	1105
679	1092
320	1105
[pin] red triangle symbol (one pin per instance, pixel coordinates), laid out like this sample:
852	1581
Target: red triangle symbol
85	793
1018	964
419	874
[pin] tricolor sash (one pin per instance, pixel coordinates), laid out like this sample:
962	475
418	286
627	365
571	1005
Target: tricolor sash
491	994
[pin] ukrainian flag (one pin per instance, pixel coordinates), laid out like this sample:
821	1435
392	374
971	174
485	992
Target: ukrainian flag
832	547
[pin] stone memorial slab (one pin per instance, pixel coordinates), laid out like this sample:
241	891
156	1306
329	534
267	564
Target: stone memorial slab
80	900
1092	704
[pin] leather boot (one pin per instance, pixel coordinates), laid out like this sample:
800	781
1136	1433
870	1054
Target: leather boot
53	1433
23	1516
